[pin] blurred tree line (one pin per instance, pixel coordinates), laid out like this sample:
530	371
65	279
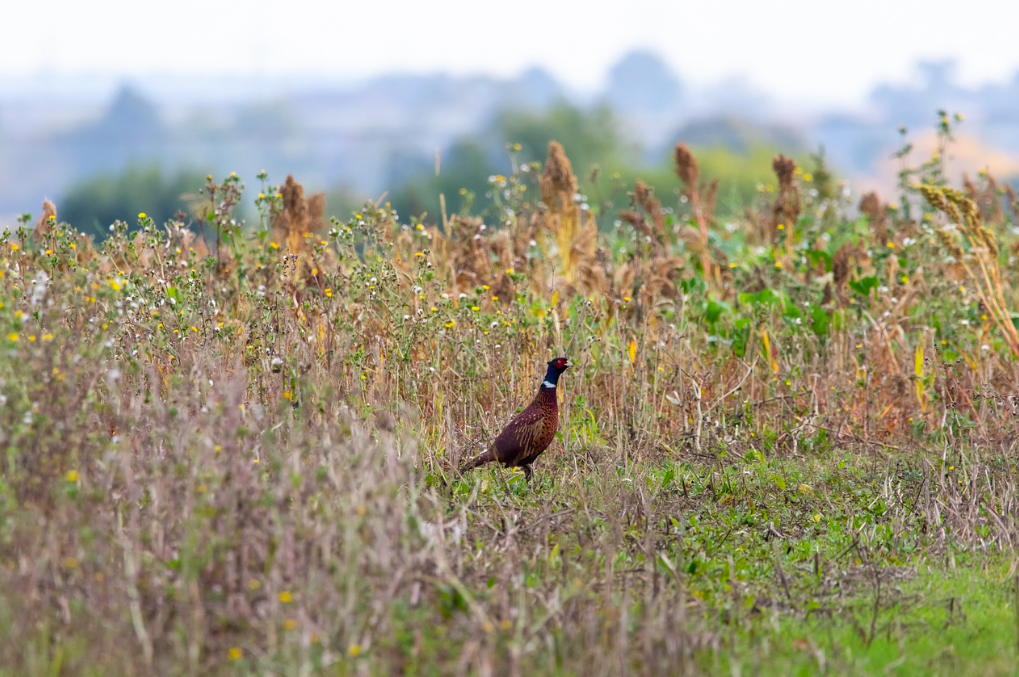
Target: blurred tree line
92	206
604	161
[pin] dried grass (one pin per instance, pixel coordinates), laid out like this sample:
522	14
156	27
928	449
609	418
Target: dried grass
877	216
788	205
299	218
258	466
47	219
981	261
702	202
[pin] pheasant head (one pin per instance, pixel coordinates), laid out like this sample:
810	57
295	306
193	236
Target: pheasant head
555	369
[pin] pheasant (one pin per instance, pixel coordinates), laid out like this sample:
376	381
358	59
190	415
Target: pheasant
531	431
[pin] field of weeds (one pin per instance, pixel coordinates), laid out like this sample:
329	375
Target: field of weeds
788	444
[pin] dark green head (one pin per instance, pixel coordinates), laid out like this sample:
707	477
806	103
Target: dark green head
555	369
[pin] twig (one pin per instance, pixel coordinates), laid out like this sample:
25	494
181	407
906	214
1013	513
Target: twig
781	574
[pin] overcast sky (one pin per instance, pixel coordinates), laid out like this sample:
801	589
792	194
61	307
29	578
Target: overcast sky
814	51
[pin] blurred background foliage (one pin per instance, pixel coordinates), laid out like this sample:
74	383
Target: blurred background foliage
95	204
606	163
413	140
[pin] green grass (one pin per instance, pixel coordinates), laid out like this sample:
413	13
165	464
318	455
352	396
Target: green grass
936	622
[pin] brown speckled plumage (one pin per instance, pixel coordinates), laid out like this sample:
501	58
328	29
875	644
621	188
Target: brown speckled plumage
531	431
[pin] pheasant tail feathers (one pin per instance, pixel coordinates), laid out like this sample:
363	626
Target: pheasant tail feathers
484	458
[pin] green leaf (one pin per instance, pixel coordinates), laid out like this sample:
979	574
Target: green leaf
714	311
765	297
816	255
740	337
820	321
864	286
